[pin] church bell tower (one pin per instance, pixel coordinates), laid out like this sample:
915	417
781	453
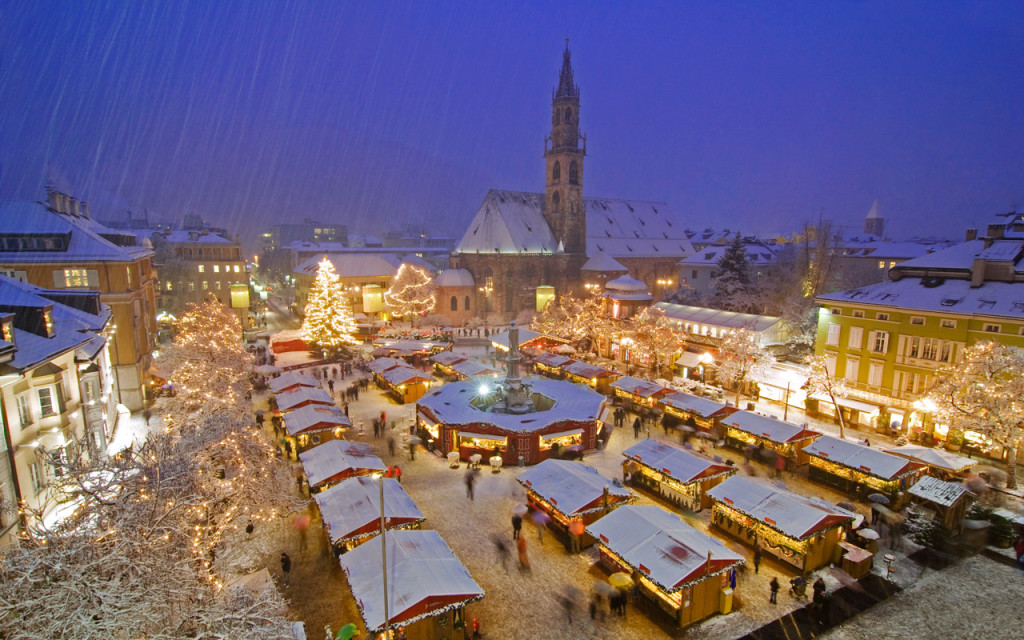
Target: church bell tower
564	150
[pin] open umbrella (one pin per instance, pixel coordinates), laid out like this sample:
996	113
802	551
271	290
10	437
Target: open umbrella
541	518
878	498
780	484
346	632
604	589
620	580
520	510
868	534
847	505
415	440
576	527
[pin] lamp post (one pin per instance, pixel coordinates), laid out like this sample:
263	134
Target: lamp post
383	555
785	406
705	360
240	301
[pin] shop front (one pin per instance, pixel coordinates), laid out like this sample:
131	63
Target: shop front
674	473
701	413
747	431
860	470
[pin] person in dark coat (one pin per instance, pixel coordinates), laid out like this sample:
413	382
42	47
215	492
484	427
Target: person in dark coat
757	559
286	567
774	586
636	427
517	524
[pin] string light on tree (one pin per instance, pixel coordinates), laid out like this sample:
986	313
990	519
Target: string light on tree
329	322
411	292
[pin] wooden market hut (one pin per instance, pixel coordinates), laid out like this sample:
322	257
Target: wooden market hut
405	384
941	464
801	531
378	366
948	500
595	377
674	473
336	460
290	381
301	397
571	492
639	395
550	364
443	362
428	588
351	510
311	425
680	569
860	470
705	414
472	369
744	429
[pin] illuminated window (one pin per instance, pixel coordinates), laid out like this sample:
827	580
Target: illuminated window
216	268
217	285
206	285
76	278
236	268
191	286
168	285
48	322
202	268
881	264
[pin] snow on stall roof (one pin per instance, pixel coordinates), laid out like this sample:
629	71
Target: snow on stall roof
675	461
403	344
663	547
850	454
933	457
471	368
1004	299
380	365
315	417
455	278
327	460
570	486
291	399
601	261
765	427
938	491
716	317
404	375
794	515
353	504
626	283
447	358
352	265
525	335
553	360
450	405
586	370
703	407
421	570
292	379
638	387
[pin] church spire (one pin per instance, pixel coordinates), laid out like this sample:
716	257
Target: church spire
566	87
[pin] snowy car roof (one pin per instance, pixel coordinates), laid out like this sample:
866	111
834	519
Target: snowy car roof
571	487
933	457
315	417
290	400
351	509
866	459
291	379
675	461
790	513
404	375
328	460
661	546
380	365
424	577
450	404
638	387
938	491
448	358
689	403
768	428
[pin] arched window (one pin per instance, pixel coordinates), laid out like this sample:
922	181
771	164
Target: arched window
568	115
466	302
574	173
556	171
555	200
455	303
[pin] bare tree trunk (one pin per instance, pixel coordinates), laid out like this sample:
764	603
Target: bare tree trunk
1011	467
839	414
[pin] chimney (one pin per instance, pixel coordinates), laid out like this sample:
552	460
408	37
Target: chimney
978	273
72	207
972	234
85	210
995	231
53	198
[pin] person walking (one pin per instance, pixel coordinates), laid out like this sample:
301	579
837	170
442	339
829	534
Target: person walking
524	558
503	553
774	586
517	524
330	385
470	479
636	427
819	589
286	567
757	559
391	446
398	474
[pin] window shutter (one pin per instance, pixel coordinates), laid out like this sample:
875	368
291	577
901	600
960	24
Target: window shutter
856	339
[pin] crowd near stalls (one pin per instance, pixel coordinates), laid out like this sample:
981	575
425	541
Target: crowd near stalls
946	501
336	460
702	414
427	586
572	492
351	510
461	417
684	572
639	395
860	470
674	473
801	531
749	431
313	424
941	464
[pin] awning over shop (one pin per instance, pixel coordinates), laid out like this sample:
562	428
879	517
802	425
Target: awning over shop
481	436
849	403
570	432
689	360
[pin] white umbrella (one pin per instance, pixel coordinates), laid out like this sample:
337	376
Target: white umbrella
868	534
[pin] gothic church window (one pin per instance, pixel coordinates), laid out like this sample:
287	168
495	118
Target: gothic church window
574	173
455	303
466	303
555	199
556	171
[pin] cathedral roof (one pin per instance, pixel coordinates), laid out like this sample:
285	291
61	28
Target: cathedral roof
566	87
513	222
602	262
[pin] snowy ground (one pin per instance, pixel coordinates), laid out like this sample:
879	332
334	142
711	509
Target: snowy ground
519	605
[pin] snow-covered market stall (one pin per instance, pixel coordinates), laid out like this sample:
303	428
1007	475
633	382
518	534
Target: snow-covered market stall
301	397
673	472
948	501
290	381
351	510
701	413
597	378
405	384
380	365
312	425
639	395
860	470
428	588
550	364
466	369
686	573
336	460
941	464
571	492
801	531
443	362
745	429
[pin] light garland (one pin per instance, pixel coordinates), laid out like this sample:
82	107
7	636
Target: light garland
410	293
328	319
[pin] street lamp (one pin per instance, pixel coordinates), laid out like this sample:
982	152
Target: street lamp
705	361
383	553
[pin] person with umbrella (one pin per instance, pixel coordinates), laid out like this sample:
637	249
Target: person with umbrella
541	520
575	533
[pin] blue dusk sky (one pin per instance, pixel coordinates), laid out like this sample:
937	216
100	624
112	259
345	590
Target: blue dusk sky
756	116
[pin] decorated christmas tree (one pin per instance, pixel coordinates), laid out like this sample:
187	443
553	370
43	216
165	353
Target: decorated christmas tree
328	322
411	292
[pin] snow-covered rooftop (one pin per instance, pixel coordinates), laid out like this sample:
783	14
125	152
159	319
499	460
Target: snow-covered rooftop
639	387
333	458
663	547
315	417
757	255
693	404
300	396
184	235
675	461
450	404
768	428
404	375
352	265
455	278
601	261
422	571
525	335
84	242
792	514
380	365
856	456
716	317
571	487
553	360
291	379
1002	299
351	508
938	491
933	457
447	358
471	368
585	370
